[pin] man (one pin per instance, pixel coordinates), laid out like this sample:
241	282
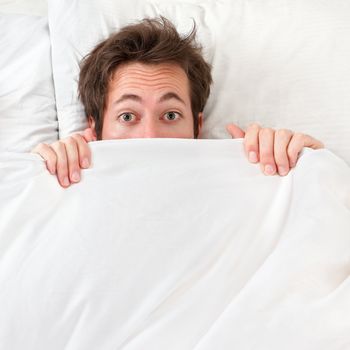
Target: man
148	81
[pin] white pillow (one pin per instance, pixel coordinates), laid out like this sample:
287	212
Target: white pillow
27	98
24	7
282	64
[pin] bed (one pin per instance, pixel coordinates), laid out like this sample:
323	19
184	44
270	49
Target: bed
175	243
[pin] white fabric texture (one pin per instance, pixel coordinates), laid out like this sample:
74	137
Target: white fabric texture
175	244
27	98
284	64
24	7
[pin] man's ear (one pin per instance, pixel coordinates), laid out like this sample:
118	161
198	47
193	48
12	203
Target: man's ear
200	122
92	126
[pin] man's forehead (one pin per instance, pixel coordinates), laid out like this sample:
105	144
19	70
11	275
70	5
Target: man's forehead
150	74
157	77
149	69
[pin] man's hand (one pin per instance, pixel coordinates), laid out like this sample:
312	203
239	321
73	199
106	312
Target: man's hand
66	157
276	150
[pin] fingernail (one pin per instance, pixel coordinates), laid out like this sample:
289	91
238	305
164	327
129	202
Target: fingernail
85	163
269	170
75	176
252	157
65	181
282	170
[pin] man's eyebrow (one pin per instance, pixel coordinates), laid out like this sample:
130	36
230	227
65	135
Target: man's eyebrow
169	96
128	97
165	97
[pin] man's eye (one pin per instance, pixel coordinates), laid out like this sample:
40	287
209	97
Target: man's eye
172	115
127	117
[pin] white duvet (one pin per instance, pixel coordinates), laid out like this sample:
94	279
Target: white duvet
175	244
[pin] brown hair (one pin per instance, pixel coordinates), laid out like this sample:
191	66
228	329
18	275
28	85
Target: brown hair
149	41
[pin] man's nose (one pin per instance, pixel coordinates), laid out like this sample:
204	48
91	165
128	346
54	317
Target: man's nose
151	129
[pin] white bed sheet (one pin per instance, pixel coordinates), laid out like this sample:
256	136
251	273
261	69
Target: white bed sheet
175	244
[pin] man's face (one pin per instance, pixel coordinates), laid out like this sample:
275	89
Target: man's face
148	101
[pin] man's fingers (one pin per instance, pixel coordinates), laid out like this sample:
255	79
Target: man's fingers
89	135
251	142
282	139
62	163
312	142
266	151
72	159
48	154
235	131
66	157
83	150
297	143
78	156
